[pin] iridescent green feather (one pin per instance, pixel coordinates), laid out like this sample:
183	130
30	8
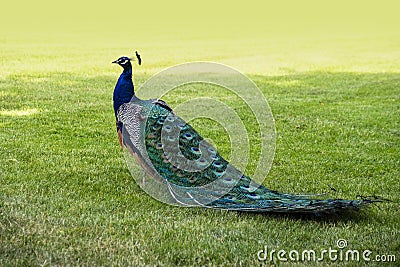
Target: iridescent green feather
187	185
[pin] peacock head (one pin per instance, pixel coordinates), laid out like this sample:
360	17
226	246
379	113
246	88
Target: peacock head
124	62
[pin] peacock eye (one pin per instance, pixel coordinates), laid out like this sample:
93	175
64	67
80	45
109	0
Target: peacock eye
123	60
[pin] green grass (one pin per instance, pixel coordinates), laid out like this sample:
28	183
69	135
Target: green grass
66	195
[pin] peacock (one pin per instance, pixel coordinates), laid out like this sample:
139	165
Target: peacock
189	169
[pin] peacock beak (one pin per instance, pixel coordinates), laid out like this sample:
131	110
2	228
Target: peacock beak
115	61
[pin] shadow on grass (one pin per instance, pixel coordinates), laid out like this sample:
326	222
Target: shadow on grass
355	216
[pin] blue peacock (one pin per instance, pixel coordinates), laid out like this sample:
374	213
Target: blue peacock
193	172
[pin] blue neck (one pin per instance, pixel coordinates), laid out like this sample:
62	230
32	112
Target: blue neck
124	89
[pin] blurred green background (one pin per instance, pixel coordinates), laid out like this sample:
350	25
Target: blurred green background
253	36
211	18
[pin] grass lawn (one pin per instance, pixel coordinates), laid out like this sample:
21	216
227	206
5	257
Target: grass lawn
66	195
